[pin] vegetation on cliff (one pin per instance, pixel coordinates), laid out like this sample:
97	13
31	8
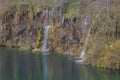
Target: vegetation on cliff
22	23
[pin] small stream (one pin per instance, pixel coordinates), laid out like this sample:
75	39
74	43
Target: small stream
25	65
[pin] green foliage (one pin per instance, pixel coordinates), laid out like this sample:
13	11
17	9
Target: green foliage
39	37
116	47
70	7
111	58
107	57
25	47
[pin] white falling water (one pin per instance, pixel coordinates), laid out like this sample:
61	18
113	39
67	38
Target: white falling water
84	29
82	53
85	23
81	58
45	37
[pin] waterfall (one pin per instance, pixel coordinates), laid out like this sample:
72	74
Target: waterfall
45	37
81	57
46	29
47	16
82	53
84	29
85	24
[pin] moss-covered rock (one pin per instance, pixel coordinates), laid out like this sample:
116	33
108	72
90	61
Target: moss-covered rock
39	37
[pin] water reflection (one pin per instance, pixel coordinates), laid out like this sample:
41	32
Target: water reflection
18	65
45	67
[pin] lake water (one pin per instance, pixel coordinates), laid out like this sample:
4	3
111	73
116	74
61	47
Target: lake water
25	65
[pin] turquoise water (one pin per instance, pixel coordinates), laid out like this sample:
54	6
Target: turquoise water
25	65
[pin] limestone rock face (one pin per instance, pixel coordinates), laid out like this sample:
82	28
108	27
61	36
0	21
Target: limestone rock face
22	28
65	39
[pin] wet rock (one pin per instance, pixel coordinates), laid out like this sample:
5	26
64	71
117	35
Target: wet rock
36	50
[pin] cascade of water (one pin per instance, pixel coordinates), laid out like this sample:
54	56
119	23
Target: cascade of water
85	23
45	34
81	58
45	37
47	16
45	48
84	29
82	53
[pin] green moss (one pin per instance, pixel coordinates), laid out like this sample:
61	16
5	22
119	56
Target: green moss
71	7
39	37
25	47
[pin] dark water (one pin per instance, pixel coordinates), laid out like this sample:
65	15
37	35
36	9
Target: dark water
18	65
